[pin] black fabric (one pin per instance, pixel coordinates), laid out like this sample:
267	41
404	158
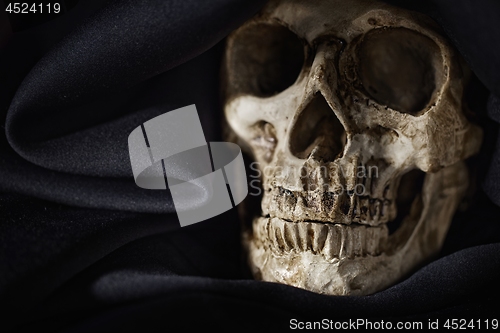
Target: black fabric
84	249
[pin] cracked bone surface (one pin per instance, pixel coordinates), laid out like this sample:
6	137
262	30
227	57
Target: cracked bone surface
352	111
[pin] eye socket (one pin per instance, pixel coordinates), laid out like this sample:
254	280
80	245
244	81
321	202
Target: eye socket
398	68
264	60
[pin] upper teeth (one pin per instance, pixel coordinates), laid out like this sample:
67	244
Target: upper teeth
342	208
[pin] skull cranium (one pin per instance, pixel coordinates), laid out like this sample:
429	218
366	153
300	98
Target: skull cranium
345	106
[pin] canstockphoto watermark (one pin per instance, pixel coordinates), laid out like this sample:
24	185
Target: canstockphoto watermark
361	173
204	179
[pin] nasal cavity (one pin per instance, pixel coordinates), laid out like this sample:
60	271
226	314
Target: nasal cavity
318	133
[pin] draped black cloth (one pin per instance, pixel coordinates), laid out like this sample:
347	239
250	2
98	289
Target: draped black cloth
82	248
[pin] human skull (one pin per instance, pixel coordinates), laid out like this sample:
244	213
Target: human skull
353	112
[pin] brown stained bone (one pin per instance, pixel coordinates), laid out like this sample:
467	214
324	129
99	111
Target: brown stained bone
318	92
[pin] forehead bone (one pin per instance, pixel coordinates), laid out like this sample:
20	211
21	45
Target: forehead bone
344	19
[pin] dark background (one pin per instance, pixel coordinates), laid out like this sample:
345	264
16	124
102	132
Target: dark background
84	249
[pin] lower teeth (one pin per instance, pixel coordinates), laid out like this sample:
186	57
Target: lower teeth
329	240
